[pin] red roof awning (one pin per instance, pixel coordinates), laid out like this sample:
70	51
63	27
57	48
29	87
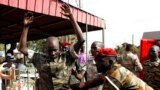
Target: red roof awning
48	19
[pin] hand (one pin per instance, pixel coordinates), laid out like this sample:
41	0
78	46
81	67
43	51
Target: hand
13	66
28	18
1	66
74	72
66	10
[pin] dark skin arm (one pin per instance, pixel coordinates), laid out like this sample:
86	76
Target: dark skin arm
78	75
67	12
89	84
23	40
28	20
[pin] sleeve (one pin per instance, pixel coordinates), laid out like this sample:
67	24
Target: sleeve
80	67
138	65
73	52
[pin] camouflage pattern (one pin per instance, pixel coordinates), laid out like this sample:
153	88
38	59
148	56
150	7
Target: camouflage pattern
125	80
131	62
152	73
54	74
92	73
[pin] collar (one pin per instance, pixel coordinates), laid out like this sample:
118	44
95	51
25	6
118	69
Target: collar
113	68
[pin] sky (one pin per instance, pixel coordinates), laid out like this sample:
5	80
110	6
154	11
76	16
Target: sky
126	20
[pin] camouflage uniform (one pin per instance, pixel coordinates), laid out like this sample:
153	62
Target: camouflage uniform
92	71
152	73
131	62
55	74
125	80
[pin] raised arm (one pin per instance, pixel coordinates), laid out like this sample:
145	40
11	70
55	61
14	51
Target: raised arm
5	76
77	29
23	40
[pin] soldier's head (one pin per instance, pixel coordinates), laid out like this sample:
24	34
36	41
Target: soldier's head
154	53
96	45
128	47
52	46
106	59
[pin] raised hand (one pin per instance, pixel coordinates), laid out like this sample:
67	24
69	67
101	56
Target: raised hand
1	66
13	66
28	18
66	10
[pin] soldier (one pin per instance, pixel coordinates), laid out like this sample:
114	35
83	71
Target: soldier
119	77
130	60
80	73
10	58
10	52
91	67
152	68
54	71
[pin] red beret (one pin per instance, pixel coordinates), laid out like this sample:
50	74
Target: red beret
107	52
66	44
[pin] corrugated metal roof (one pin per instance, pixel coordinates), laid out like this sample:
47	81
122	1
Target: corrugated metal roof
48	19
151	35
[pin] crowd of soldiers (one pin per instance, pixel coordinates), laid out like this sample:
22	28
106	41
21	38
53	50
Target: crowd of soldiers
64	71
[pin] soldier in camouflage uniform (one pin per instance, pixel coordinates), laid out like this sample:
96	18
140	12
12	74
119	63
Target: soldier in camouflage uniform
80	72
92	72
114	76
91	67
54	68
130	60
152	68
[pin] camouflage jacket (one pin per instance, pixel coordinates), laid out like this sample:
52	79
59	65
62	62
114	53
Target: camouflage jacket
92	73
125	80
131	62
152	73
54	74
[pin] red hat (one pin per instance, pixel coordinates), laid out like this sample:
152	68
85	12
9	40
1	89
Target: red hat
107	52
66	44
